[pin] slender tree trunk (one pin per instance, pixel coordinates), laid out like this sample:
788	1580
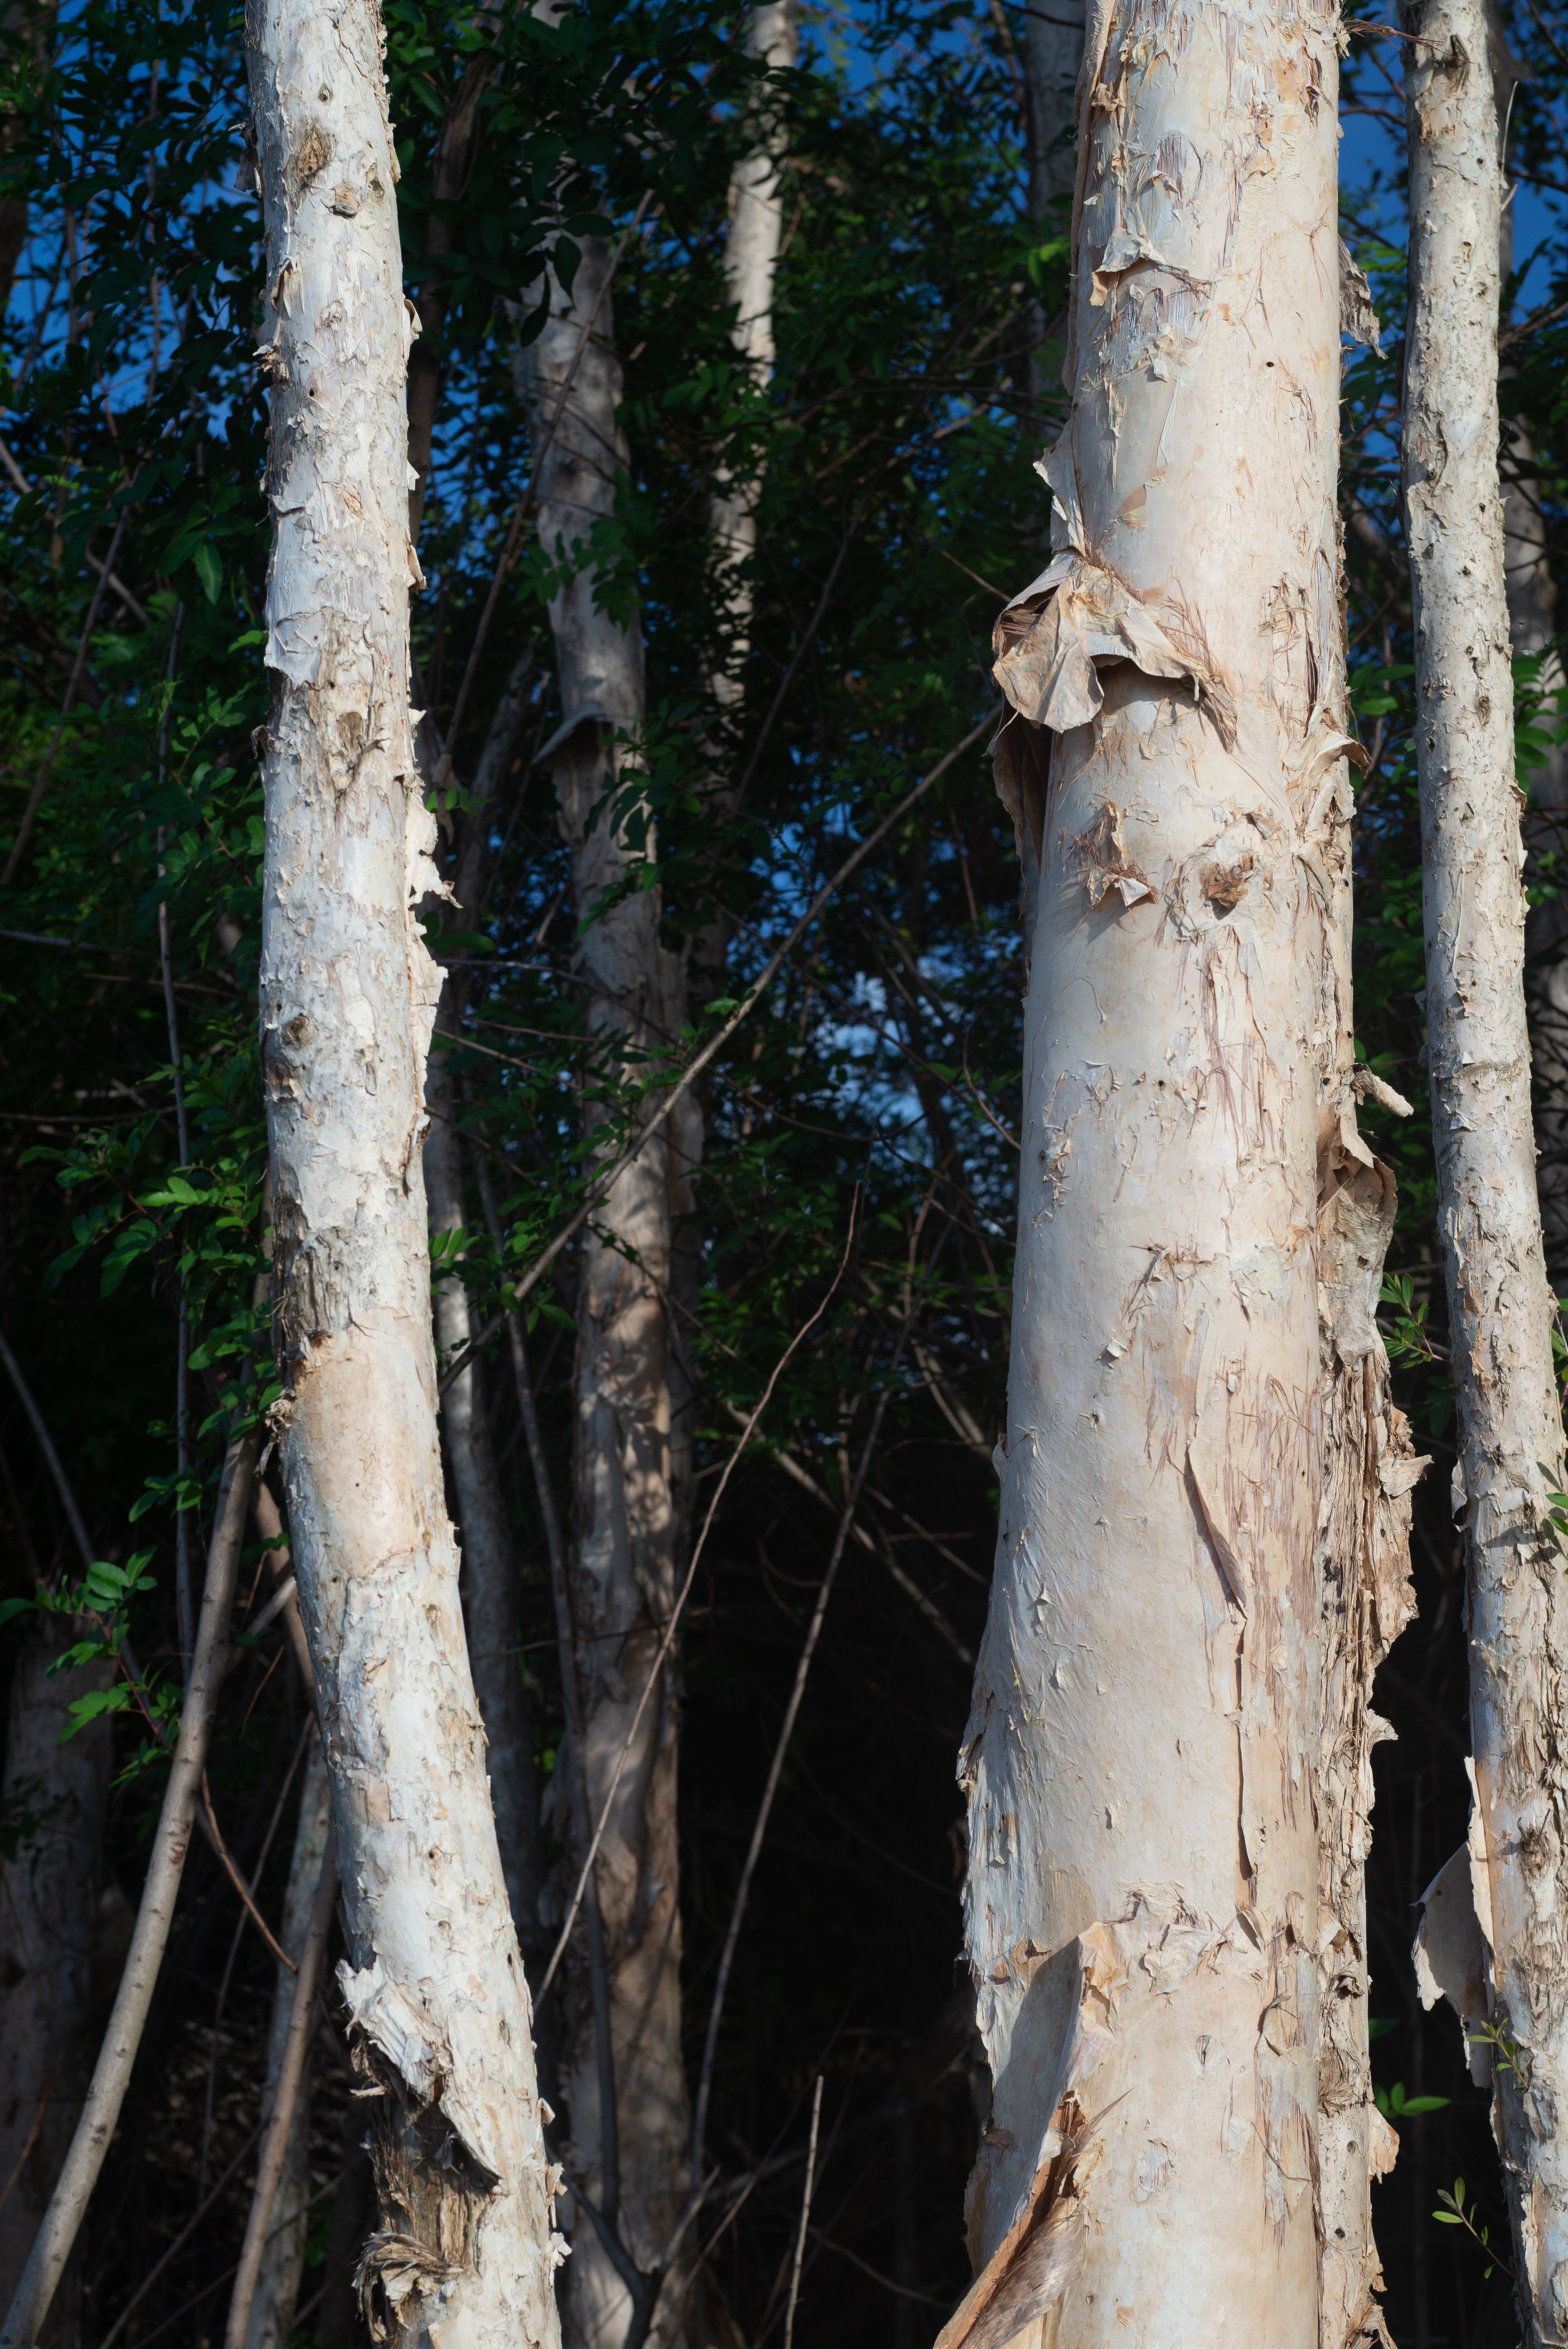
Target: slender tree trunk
434	1981
454	160
621	1564
282	2254
1511	1435
490	1582
1533	628
1142	1903
750	264
55	1798
100	2108
1053	52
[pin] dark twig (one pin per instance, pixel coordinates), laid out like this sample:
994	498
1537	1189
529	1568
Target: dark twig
666	1643
805	2217
605	1182
312	1957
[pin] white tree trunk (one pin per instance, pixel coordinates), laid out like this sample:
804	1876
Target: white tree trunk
282	2254
750	261
434	1982
1533	628
622	1567
1142	1903
490	1582
1511	1435
48	1922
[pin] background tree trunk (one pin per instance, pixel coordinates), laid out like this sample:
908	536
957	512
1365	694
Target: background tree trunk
1531	594
283	2254
489	1568
55	1798
434	1981
1142	1893
622	1564
1511	1434
1053	53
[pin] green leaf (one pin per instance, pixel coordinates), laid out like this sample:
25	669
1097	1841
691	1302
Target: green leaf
85	1710
209	570
1447	2218
11	1608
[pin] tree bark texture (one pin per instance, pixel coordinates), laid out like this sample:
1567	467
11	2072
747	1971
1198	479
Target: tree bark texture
750	260
434	1981
622	1567
1532	630
1143	1909
1510	1436
271	2319
751	253
1370	1469
490	1580
48	1922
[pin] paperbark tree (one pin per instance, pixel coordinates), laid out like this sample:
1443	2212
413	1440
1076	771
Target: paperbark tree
622	1567
1200	1453
433	1982
56	1797
1532	627
1510	1429
752	245
750	262
271	2319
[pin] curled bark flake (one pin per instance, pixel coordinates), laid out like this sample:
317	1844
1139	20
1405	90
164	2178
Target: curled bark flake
1449	1956
1357	316
1050	641
1101	854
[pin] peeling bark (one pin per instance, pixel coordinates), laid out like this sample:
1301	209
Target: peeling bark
1510	1435
49	1920
1533	628
1370	1470
433	1980
271	2319
622	1567
1143	1904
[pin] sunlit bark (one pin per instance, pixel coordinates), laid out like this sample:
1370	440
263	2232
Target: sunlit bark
433	1982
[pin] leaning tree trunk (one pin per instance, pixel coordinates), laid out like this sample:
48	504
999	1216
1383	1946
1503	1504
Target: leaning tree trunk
434	1982
271	2319
56	1799
622	1564
1143	1904
1511	1435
